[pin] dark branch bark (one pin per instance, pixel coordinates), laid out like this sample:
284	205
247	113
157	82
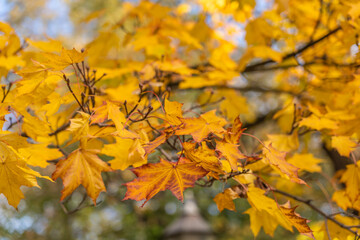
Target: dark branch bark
292	54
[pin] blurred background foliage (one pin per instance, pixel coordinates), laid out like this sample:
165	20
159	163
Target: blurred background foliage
41	216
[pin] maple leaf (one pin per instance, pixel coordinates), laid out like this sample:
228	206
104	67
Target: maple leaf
203	156
343	145
155	177
84	167
337	232
173	112
14	173
39	154
277	160
268	221
199	128
351	177
66	58
342	200
80	126
14	140
151	146
226	200
285	142
229	146
126	152
36	71
234	133
264	212
296	220
231	152
109	111
258	200
318	123
305	162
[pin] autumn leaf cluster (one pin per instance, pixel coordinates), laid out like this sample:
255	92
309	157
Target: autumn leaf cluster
121	97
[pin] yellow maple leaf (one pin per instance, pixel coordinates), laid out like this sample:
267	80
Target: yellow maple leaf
66	58
79	127
318	123
341	199
258	200
284	142
50	45
268	221
82	166
39	154
351	177
337	232
234	104
305	162
258	52
225	200
264	212
173	112
343	144
14	173
126	152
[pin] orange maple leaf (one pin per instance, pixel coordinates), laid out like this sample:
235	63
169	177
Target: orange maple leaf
277	160
229	145
231	152
234	133
296	220
84	167
199	128
151	146
203	156
155	177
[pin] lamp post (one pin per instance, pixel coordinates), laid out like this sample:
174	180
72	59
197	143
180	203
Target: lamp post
190	225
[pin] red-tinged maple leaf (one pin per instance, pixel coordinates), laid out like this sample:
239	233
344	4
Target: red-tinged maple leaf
234	133
155	177
296	220
84	167
151	146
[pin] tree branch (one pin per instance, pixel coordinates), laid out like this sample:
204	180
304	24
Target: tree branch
292	54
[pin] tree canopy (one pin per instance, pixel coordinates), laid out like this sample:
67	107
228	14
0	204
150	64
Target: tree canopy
259	99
